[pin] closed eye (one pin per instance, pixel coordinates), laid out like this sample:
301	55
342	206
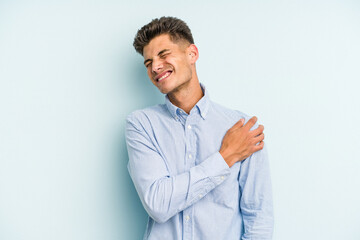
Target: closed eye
148	64
164	55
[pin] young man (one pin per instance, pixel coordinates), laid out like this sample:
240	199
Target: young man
199	168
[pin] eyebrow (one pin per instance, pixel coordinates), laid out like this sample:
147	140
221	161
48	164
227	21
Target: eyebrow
161	52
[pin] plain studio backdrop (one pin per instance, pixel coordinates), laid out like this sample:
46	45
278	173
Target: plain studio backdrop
69	76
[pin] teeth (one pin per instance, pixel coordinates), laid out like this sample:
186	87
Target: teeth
166	74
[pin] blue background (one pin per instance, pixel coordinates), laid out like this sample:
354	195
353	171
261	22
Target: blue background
69	76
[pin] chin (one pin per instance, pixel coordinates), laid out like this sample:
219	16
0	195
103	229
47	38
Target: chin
163	91
166	88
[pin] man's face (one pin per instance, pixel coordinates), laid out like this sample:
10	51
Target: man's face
168	64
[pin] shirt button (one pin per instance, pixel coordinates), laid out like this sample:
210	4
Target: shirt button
190	156
189	126
222	177
200	196
187	217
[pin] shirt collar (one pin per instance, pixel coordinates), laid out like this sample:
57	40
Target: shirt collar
202	104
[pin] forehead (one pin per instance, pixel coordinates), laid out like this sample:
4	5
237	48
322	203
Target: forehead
158	44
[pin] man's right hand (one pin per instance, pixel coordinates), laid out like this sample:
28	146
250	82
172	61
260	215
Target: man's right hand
239	142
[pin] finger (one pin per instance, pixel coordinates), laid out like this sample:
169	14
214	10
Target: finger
251	122
238	124
259	146
258	130
259	138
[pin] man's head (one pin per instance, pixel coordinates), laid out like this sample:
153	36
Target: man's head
169	53
176	28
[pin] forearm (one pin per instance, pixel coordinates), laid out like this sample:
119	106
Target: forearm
166	196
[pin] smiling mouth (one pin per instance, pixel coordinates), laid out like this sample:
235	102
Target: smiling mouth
164	76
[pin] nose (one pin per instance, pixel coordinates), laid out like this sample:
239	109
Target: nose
157	65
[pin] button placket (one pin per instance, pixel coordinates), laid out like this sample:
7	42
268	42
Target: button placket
189	142
191	156
187	223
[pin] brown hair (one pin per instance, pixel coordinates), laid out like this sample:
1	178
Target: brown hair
176	28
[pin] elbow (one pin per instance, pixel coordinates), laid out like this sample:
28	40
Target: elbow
157	212
158	217
157	203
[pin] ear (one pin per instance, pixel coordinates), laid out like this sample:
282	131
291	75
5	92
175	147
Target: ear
193	53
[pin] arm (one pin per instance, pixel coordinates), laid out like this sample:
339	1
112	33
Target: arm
162	194
256	197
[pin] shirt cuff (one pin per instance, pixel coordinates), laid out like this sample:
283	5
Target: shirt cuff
216	168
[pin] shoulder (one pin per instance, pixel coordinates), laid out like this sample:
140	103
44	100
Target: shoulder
146	115
232	114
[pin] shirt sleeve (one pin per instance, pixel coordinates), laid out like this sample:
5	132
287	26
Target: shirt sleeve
163	195
256	197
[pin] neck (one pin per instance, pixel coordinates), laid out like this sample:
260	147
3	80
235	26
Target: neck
187	96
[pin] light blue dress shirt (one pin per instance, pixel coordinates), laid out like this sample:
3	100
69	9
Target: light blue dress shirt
183	182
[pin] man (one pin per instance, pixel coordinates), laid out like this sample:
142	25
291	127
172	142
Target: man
199	169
